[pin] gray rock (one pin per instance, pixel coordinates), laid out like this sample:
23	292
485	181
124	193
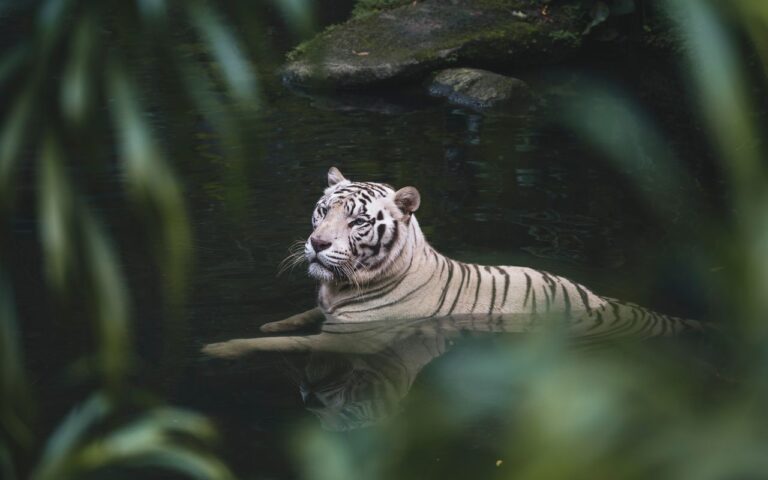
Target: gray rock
478	88
410	41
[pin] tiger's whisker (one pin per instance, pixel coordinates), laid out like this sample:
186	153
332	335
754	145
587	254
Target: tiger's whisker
294	258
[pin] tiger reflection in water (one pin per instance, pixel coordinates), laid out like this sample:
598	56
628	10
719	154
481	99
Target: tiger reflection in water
357	373
351	391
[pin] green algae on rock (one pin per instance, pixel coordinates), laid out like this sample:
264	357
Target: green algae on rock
477	88
410	41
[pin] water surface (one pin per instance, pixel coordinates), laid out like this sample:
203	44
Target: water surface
510	189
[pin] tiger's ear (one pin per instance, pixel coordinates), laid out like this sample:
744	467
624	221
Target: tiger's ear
407	200
334	176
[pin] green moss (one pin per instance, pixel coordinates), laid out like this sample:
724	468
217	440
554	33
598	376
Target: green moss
298	51
368	7
517	34
566	37
505	4
498	35
307	45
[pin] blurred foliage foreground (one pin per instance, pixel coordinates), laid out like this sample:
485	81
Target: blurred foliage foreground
81	81
562	414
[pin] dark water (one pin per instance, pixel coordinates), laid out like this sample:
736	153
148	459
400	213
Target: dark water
510	189
496	188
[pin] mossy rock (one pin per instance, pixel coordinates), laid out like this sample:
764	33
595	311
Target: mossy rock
410	41
472	87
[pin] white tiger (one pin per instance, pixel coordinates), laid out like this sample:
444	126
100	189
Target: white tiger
373	262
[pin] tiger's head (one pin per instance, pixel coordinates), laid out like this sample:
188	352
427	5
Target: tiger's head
347	392
359	229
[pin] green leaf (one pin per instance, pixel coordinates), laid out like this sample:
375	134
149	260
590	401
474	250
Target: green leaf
12	60
7	469
236	70
298	15
754	15
150	180
155	439
55	204
61	211
600	13
12	138
721	87
324	456
717	73
627	137
186	462
622	7
53	18
13	383
171	420
76	83
203	94
153	10
155	453
110	299
69	436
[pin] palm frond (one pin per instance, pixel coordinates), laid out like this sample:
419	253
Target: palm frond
237	72
14	388
150	180
154	439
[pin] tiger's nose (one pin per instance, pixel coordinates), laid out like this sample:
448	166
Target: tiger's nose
319	245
